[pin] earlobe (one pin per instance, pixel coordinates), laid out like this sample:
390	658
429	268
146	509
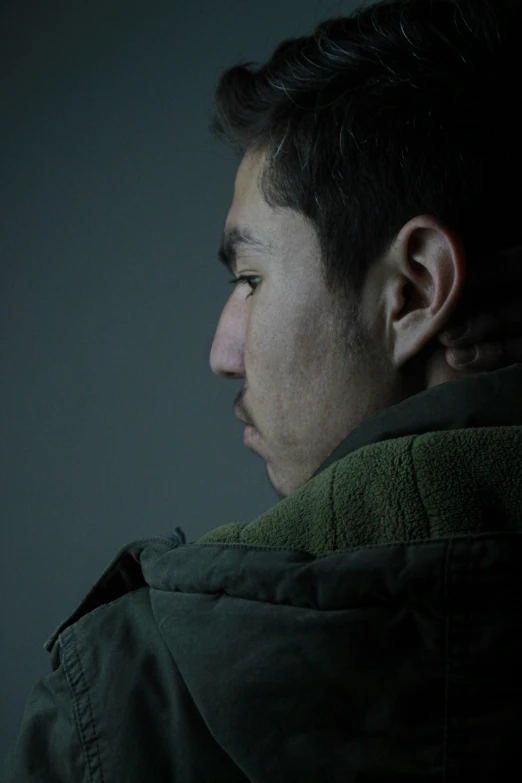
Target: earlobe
410	334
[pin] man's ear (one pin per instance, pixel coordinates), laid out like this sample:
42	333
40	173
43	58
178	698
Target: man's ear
426	276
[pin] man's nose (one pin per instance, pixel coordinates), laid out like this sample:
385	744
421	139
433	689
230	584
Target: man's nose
227	351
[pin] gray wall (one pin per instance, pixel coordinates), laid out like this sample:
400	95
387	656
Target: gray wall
113	201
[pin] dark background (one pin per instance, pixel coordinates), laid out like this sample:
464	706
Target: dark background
113	202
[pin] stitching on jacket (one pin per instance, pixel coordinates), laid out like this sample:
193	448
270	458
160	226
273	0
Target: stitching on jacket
428	542
446	663
77	683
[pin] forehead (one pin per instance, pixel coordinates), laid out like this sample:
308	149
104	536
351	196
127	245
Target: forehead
247	195
249	214
280	230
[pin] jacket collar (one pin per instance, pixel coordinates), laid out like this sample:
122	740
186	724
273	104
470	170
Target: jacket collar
487	399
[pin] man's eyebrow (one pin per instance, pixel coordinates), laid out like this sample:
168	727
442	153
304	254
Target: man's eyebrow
236	238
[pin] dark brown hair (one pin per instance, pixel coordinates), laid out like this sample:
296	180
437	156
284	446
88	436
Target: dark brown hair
404	107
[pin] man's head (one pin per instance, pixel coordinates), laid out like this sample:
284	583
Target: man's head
313	367
365	174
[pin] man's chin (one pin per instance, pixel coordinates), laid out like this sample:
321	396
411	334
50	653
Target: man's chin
282	489
275	486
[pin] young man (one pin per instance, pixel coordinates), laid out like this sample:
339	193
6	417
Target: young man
369	625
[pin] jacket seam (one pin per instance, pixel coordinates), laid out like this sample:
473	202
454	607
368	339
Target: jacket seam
82	704
429	542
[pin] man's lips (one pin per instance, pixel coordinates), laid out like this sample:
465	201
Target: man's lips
250	434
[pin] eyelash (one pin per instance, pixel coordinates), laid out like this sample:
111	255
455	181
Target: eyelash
246	279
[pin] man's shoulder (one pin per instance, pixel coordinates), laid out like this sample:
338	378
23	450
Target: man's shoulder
123	575
113	684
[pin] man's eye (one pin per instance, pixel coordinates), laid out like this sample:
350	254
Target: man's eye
248	280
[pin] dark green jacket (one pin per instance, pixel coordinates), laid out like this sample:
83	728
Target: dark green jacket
366	628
